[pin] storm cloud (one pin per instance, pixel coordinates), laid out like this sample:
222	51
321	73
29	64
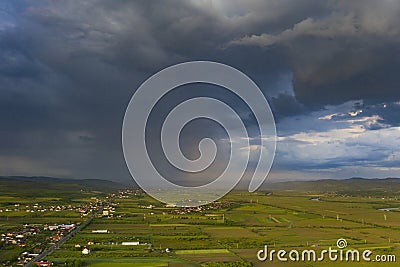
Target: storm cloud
69	68
350	53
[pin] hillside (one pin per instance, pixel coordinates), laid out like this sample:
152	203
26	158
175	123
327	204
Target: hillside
352	186
42	186
45	186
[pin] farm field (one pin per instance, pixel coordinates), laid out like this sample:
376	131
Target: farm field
235	229
36	213
133	229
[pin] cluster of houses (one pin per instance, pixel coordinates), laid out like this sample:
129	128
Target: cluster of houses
21	237
84	209
26	257
18	238
36	237
200	209
58	231
108	211
127	193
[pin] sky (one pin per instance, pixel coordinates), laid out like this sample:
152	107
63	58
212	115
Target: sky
329	70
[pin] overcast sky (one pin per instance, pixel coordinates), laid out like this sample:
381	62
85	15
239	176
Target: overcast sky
329	69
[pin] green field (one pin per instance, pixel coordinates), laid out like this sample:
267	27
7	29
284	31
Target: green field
226	233
236	231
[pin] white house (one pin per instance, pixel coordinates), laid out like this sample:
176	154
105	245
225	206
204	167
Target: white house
135	243
85	251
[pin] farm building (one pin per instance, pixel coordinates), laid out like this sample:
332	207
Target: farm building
135	243
100	231
43	263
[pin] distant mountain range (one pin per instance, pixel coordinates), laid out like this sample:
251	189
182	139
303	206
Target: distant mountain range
41	185
347	186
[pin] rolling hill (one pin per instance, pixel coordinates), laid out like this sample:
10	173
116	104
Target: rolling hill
352	186
33	186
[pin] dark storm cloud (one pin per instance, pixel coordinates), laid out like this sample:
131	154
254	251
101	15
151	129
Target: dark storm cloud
69	68
350	53
285	105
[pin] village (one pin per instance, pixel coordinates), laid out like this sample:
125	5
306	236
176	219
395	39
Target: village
32	239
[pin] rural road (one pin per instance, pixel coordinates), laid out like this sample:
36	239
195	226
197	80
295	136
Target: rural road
63	239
